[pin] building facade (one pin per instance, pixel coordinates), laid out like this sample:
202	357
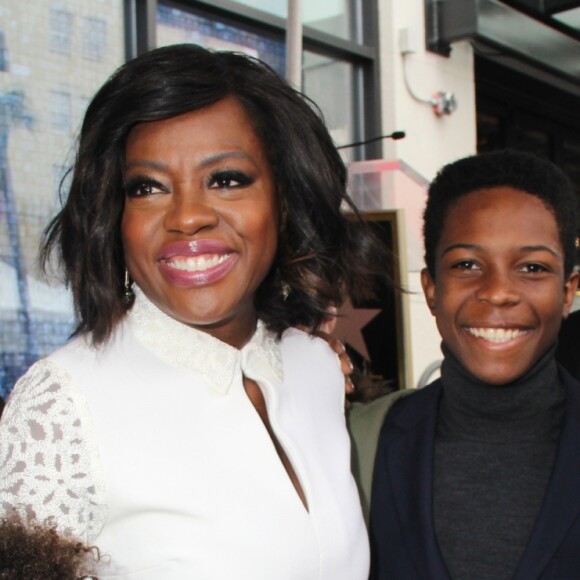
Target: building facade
451	75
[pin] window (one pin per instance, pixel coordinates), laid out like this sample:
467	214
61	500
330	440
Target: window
176	26
94	38
60	110
338	67
517	111
328	82
61	27
3	53
336	17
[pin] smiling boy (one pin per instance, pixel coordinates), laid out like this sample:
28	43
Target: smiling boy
477	476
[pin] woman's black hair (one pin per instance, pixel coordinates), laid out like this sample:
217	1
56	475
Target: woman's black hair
321	254
504	168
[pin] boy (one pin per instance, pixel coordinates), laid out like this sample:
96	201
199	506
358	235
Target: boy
477	476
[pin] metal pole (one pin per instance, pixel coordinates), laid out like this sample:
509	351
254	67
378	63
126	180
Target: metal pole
294	44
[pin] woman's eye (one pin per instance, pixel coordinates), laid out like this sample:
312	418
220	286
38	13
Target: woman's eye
229	180
142	188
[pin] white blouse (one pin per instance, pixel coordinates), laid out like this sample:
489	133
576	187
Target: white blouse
149	448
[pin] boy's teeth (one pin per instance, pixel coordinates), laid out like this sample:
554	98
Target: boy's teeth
496	334
197	263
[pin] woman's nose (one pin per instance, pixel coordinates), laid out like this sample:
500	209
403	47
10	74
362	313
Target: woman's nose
189	212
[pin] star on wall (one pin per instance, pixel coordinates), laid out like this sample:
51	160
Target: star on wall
350	324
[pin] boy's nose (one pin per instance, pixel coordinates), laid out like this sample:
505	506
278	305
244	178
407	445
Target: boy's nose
498	288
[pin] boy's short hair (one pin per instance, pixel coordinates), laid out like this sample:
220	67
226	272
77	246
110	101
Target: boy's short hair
505	168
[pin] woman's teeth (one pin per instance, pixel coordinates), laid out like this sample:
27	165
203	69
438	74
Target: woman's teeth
197	263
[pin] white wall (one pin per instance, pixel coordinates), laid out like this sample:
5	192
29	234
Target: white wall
431	141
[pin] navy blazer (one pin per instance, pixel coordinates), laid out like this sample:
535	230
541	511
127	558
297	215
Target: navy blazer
403	544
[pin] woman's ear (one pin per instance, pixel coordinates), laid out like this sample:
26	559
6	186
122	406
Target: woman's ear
428	289
570	288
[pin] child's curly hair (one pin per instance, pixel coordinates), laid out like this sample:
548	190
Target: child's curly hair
37	552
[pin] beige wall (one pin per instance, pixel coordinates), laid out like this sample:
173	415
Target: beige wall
431	141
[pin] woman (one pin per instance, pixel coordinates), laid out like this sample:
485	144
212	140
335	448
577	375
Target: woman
188	429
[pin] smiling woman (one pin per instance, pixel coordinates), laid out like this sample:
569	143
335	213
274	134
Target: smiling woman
200	223
196	432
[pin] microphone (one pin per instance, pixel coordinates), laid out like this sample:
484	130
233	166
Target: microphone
395	135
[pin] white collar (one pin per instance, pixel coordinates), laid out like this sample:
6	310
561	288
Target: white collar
187	348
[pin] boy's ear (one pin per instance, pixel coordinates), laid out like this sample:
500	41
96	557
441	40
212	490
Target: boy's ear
428	289
570	288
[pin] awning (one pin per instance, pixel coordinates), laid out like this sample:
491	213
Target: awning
542	33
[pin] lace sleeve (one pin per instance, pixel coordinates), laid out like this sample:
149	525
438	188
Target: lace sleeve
49	467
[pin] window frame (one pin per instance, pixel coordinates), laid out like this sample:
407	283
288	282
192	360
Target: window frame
140	35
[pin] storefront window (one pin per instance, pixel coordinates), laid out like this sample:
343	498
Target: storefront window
176	26
336	17
329	83
324	78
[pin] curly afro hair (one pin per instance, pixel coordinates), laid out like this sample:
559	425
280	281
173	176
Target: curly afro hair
504	168
37	552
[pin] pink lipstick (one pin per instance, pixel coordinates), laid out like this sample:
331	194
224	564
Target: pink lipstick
196	263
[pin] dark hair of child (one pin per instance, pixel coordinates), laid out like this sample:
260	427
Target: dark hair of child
508	168
38	552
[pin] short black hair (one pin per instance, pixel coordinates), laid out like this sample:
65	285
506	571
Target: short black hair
504	168
321	254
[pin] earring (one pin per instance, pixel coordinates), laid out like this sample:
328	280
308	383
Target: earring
128	295
286	289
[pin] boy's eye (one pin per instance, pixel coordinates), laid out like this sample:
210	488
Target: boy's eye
465	265
140	187
230	179
534	268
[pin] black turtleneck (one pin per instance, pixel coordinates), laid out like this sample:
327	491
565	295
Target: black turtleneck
494	451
